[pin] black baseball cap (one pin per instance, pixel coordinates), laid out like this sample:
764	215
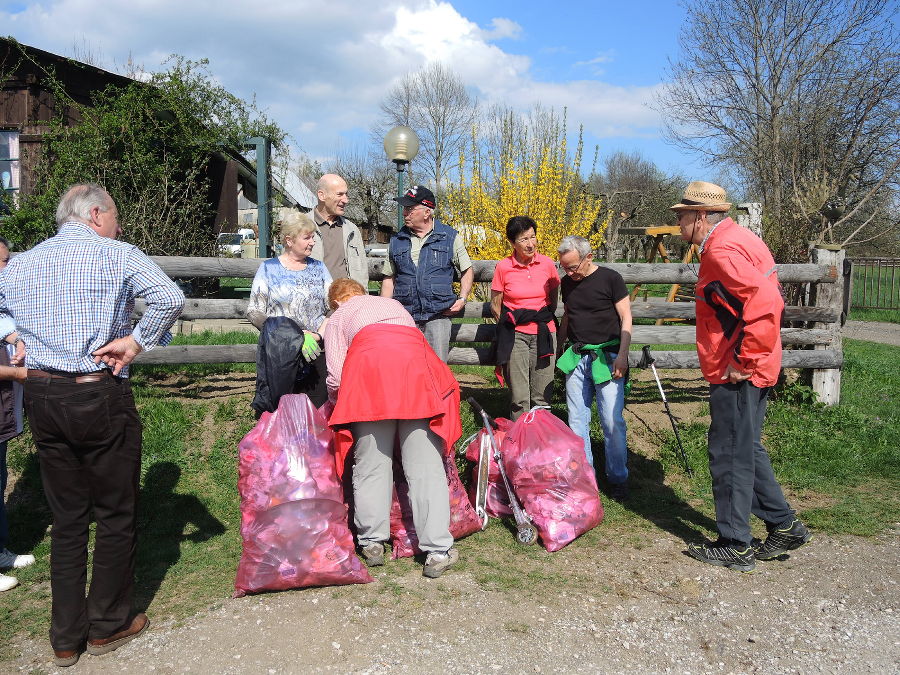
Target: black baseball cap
417	194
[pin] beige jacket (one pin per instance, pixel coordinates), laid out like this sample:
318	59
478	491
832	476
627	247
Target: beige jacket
354	249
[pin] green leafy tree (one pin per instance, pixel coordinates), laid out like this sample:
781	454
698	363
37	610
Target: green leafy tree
149	144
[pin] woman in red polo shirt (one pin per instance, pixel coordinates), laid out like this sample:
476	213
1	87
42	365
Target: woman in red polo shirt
523	300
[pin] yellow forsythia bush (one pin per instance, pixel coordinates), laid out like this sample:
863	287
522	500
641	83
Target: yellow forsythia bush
522	178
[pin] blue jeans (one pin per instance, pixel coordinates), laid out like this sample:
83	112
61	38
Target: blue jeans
4	529
580	394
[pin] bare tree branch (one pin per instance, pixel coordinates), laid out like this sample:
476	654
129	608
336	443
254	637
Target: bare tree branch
802	97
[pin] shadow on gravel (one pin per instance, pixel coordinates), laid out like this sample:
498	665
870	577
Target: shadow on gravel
163	517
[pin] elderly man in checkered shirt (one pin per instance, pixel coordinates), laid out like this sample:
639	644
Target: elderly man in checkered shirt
71	298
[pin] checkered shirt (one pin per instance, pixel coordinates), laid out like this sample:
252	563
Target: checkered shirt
74	293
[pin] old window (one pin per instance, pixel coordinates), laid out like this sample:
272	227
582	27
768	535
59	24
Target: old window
10	172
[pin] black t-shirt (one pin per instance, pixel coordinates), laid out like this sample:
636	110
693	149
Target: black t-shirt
591	306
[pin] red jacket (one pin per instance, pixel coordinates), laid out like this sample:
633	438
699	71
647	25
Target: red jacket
391	373
739	306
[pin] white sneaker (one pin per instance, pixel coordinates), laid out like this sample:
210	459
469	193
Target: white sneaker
7	582
9	560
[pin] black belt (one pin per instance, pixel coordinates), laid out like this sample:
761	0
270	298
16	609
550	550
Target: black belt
78	378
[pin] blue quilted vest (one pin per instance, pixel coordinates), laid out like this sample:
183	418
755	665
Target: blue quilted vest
426	289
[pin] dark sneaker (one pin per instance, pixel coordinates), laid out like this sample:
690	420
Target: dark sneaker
373	554
782	540
724	555
438	563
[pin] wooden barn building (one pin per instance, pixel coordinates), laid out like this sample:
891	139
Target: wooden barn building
27	105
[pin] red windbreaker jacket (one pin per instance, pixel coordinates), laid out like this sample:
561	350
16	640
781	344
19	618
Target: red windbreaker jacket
739	306
392	373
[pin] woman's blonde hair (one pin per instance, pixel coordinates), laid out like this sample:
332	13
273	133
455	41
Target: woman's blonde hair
296	223
342	290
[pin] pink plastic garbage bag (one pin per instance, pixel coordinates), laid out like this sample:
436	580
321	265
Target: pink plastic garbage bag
293	518
463	519
546	464
497	504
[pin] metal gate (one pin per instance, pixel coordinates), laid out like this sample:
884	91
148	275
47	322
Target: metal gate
876	283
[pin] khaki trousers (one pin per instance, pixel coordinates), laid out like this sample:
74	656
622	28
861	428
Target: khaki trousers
529	385
373	481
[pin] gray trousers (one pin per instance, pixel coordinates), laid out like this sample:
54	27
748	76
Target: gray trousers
529	385
742	478
373	481
437	334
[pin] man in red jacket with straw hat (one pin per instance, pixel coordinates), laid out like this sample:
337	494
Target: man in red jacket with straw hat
739	310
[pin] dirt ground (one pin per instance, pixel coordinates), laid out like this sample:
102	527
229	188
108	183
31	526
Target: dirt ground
632	602
833	607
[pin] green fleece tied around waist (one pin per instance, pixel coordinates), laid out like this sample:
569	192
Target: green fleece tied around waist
600	370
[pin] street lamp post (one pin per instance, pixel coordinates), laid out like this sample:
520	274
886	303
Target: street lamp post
401	145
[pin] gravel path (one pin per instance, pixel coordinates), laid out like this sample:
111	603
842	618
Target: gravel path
832	607
873	331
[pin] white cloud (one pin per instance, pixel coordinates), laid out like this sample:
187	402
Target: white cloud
320	69
597	60
595	65
502	28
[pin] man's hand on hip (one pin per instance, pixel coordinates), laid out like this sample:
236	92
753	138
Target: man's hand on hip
18	358
118	353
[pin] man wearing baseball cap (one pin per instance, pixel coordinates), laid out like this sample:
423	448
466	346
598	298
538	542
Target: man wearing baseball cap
423	258
739	310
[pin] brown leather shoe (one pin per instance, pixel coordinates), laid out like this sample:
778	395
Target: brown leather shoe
105	645
63	658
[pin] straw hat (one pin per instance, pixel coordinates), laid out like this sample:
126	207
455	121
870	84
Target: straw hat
702	196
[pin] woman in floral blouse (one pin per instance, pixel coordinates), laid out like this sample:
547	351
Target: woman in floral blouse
288	303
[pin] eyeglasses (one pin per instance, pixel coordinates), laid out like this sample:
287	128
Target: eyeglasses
571	269
525	240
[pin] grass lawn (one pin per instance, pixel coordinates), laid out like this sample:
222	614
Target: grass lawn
841	464
841	467
883	315
876	286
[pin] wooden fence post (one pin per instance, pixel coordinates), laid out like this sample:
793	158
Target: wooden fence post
750	216
827	382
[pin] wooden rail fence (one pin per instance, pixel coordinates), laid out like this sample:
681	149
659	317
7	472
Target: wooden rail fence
822	319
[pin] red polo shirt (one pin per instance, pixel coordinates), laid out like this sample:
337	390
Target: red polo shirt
526	286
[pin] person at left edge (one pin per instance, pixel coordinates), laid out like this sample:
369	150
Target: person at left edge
71	298
11	354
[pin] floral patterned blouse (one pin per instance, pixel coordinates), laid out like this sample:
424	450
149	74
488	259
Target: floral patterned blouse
301	295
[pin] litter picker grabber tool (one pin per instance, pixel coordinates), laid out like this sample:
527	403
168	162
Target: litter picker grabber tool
481	475
648	360
526	533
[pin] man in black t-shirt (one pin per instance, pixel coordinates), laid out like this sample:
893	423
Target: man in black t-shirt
597	324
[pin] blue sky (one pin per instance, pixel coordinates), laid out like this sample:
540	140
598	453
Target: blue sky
320	68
